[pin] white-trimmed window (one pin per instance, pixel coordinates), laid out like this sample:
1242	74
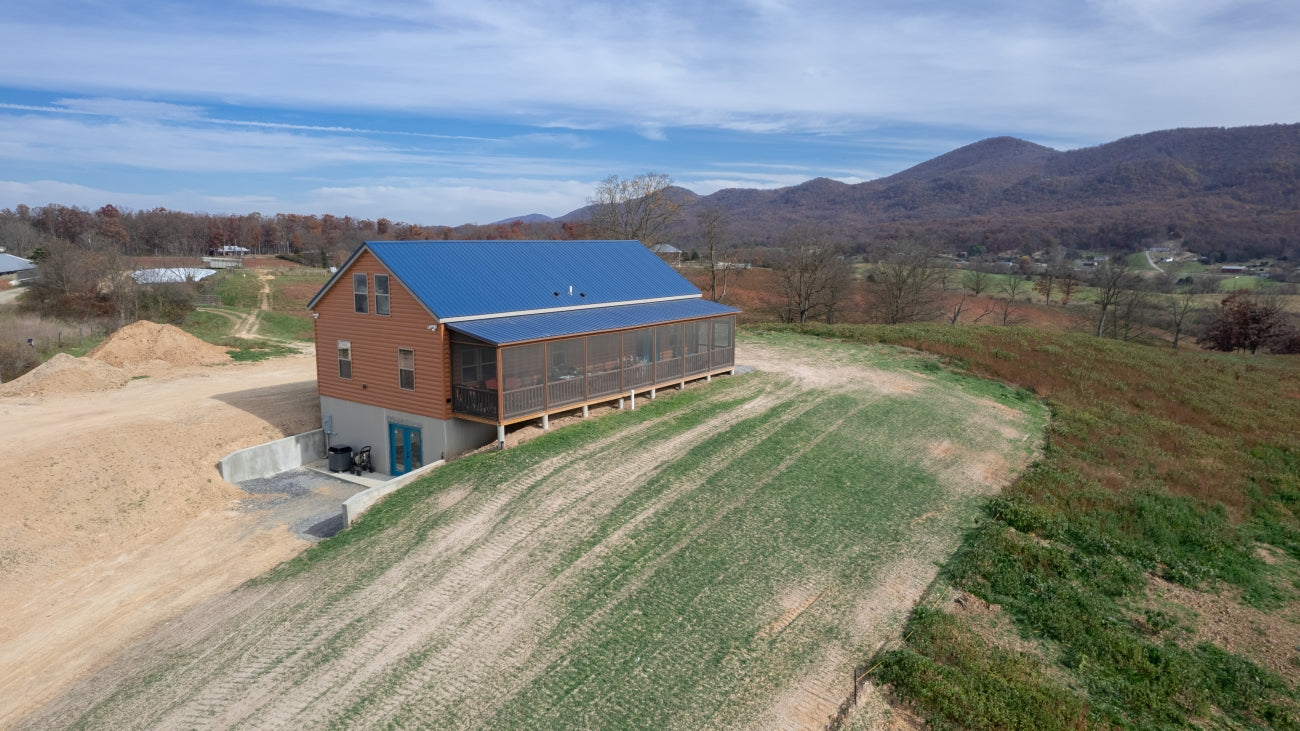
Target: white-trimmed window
381	294
345	359
406	369
360	298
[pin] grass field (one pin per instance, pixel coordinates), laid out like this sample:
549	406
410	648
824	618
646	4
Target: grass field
1146	572
722	557
285	321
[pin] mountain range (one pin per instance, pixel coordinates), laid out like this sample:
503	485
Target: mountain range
1232	191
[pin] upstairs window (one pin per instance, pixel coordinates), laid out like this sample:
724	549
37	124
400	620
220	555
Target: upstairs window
406	369
360	300
345	359
381	294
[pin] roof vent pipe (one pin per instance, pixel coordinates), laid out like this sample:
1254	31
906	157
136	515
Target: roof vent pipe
570	290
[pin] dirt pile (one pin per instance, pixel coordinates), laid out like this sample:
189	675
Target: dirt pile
143	343
66	374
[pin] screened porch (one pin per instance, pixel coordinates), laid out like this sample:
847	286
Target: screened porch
508	383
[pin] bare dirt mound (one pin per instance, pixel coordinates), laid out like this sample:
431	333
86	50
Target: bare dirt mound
144	343
65	374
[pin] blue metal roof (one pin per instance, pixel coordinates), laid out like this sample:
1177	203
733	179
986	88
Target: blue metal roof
521	328
473	278
10	263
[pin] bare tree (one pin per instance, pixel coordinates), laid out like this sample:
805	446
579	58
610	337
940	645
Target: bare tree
976	281
1181	306
1111	279
718	250
813	274
960	308
635	208
905	286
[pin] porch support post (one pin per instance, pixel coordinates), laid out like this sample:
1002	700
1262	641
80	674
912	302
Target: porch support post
620	404
708	378
546	422
501	436
633	397
585	413
652	394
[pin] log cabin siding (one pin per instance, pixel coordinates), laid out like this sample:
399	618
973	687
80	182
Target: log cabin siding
375	341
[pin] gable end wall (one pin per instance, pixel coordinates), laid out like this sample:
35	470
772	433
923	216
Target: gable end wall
375	340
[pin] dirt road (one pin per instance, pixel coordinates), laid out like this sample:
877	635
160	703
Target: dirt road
116	518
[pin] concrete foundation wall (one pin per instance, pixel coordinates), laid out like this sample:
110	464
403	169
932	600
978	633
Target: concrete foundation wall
272	458
358	425
354	506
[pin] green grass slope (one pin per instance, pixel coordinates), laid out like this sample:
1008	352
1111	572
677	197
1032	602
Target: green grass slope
1179	467
722	557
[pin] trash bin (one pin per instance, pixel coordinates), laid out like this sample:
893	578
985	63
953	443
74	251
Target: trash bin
340	458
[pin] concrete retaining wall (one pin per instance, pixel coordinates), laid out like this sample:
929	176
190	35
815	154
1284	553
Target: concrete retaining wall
273	458
354	506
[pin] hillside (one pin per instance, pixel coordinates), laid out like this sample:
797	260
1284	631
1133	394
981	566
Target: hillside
1233	190
721	557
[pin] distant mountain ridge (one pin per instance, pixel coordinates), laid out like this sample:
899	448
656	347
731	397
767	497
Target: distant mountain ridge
1217	187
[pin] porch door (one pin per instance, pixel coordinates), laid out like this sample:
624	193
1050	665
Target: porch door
405	451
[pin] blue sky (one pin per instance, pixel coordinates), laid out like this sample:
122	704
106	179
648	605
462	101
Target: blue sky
469	112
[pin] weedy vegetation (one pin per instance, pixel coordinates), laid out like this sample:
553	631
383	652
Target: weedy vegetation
1159	463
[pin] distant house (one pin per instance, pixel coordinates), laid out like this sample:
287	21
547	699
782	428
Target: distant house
1232	269
19	269
431	348
667	252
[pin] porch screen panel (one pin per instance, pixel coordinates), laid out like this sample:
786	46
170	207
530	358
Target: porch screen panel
565	372
638	358
668	353
604	358
724	341
474	380
523	380
697	346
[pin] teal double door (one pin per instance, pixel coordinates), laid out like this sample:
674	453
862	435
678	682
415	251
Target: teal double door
405	449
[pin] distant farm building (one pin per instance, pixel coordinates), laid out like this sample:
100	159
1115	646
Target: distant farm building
431	348
20	270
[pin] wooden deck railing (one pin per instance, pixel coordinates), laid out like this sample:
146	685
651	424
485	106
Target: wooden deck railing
604	384
566	391
521	401
474	401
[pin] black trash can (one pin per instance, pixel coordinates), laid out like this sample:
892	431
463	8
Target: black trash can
340	458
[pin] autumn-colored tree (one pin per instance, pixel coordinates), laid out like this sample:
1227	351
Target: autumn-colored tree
1245	321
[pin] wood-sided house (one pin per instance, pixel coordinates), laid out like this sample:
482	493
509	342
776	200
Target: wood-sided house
425	349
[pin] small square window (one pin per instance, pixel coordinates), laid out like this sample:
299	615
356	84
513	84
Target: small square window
345	359
406	369
381	294
360	300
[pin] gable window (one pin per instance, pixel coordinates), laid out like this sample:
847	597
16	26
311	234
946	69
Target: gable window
406	369
381	294
360	301
345	359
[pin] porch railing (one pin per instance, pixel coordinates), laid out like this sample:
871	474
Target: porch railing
474	401
697	363
603	384
567	391
523	401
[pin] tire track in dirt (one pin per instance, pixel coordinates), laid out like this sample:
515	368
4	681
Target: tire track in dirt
504	562
485	540
537	616
552	654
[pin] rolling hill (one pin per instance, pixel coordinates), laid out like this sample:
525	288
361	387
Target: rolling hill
1234	190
